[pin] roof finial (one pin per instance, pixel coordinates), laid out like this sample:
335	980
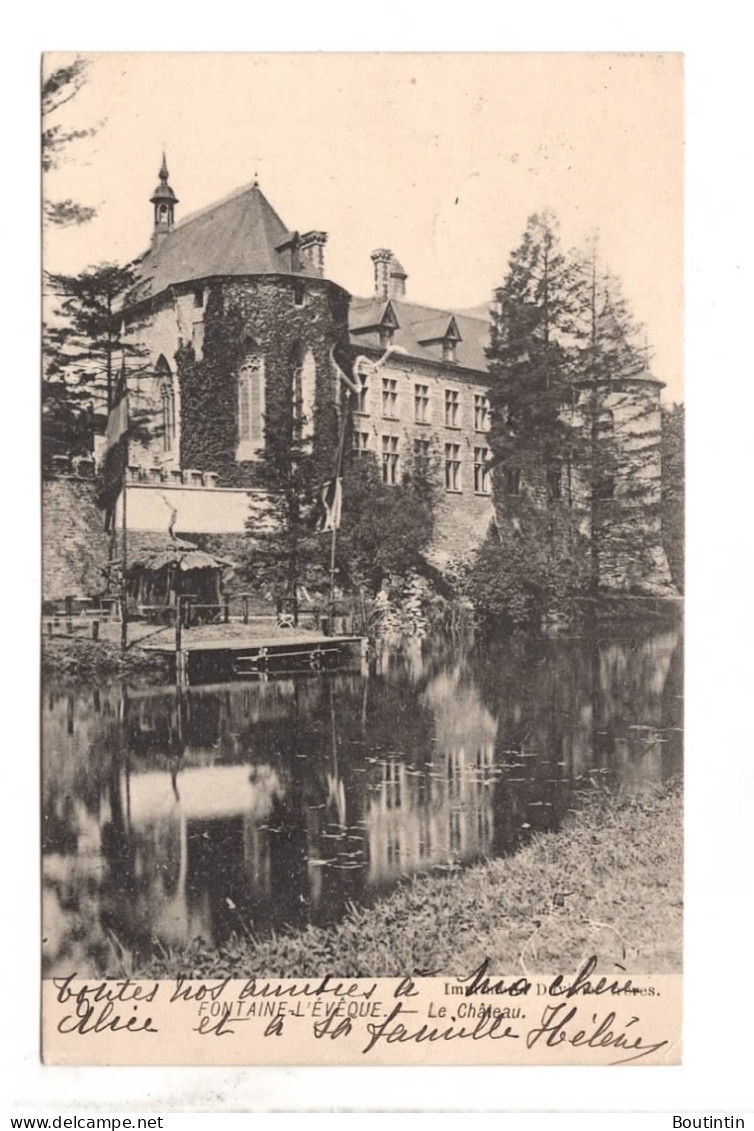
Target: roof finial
164	168
256	179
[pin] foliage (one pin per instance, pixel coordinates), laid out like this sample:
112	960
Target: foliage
673	489
58	88
572	444
287	546
533	355
526	579
84	352
385	528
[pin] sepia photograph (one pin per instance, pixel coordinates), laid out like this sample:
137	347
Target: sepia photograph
363	556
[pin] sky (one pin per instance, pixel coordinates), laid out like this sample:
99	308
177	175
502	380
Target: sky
440	157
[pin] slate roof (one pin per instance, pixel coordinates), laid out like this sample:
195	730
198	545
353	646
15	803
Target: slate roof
239	235
417	323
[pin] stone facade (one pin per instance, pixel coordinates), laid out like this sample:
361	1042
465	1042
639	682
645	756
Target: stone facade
413	411
75	546
238	322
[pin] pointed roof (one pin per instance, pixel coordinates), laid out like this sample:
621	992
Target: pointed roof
240	235
163	190
420	330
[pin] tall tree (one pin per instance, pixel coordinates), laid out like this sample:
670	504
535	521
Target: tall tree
673	489
58	88
621	455
536	348
85	349
295	461
533	355
386	528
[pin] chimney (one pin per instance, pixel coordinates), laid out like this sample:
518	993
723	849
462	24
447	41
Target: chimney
382	258
313	251
389	276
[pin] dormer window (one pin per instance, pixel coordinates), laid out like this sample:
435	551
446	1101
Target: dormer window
449	350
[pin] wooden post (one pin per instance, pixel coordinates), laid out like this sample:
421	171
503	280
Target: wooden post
181	673
226	612
69	615
95	630
49	628
178	625
124	555
181	669
245	602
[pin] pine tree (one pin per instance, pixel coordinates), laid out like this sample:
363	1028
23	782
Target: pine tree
673	489
58	88
533	354
85	350
533	559
620	456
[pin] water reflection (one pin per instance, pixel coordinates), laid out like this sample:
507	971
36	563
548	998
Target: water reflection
250	807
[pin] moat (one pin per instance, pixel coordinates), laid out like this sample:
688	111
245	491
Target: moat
256	806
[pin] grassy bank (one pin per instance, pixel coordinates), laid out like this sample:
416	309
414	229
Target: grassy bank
87	659
608	883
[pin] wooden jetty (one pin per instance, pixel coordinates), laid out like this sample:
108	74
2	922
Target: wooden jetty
225	655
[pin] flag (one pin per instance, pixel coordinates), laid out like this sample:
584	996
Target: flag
116	452
330	497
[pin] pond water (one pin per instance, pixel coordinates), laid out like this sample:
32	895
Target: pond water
265	805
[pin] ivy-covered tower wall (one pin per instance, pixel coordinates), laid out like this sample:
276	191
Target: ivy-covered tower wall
285	323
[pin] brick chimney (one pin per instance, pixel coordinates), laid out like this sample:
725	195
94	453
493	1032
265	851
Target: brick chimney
313	251
382	258
389	276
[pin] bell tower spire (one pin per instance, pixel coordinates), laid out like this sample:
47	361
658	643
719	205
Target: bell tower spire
164	200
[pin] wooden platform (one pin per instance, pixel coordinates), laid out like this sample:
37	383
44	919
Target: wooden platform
252	642
233	651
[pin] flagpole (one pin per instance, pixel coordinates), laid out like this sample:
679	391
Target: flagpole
338	471
124	538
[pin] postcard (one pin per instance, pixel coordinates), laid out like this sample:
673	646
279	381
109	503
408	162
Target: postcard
363	563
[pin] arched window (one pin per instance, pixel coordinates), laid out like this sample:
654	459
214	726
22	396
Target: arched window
303	389
250	406
167	398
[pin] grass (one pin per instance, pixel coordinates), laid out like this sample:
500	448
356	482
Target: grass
69	658
608	883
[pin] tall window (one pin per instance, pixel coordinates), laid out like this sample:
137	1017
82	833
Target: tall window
168	415
452	467
481	413
389	396
512	481
362	397
554	484
452	397
421	404
360	443
167	398
250	406
481	471
421	457
390	459
304	376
